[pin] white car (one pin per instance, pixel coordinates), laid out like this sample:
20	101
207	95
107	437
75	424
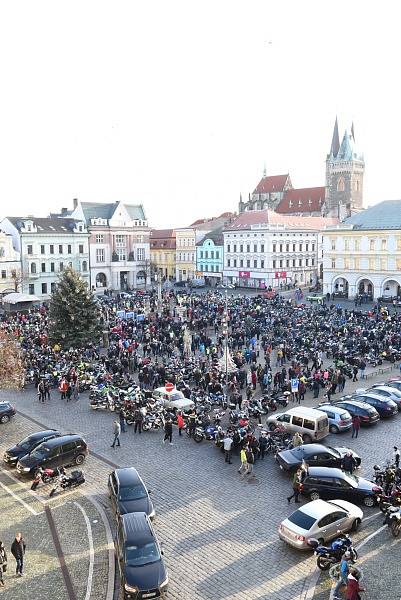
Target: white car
174	399
319	519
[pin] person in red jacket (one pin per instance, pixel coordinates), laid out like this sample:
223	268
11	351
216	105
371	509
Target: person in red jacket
180	423
353	587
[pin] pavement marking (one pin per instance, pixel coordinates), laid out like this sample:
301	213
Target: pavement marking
371	536
32	510
31	492
91	551
110	545
371	516
57	545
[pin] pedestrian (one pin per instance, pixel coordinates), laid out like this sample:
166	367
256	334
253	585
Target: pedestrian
250	460
348	463
344	572
116	433
75	391
180	423
18	548
3	562
396	457
192	422
122	420
168	431
47	390
68	391
138	417
296	481
353	587
244	467
297	440
262	446
227	444
355	373
41	391
356	425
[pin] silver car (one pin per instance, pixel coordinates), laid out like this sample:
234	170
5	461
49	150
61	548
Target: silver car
339	418
387	391
319	519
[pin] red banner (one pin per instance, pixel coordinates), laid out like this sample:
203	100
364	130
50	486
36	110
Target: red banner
244	274
280	274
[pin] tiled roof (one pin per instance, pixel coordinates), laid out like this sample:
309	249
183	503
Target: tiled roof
216	235
161	233
101	210
162	238
48	225
273	183
385	215
269	217
302	200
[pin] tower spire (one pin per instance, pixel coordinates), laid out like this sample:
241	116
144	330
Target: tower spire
264	170
335	142
353	131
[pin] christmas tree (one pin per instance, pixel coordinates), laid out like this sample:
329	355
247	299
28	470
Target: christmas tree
74	315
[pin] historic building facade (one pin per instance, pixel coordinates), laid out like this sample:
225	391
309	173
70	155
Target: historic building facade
162	252
185	263
362	255
10	264
210	256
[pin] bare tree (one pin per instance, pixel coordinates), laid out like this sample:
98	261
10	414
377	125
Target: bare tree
12	372
17	278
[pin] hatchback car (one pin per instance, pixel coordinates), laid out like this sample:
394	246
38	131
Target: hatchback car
59	452
387	392
384	406
325	482
367	414
25	446
339	419
315	455
128	493
320	520
7	411
394	382
142	570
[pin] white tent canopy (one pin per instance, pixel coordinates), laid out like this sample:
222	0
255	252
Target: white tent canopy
16	298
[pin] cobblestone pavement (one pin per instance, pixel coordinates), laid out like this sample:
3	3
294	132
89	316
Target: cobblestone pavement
219	529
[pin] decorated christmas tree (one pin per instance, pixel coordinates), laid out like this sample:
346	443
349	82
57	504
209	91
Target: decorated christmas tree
74	316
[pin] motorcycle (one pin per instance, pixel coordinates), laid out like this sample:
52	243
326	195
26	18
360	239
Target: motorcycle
67	482
327	556
155	421
393	519
46	476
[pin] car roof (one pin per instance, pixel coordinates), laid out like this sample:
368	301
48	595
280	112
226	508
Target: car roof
355	403
332	407
304	411
311	448
137	528
386	388
325	472
371	395
37	435
317	508
127	476
63	439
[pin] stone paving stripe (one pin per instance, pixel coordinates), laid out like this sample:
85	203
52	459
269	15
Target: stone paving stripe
30	492
110	544
57	545
31	510
91	551
372	535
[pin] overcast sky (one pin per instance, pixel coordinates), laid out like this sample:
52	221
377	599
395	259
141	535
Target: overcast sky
179	104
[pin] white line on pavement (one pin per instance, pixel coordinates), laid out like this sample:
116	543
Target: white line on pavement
371	516
34	512
372	535
31	492
110	545
91	552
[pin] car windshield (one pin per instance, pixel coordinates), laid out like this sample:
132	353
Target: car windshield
132	492
40	451
352	479
25	444
298	452
137	556
334	451
302	520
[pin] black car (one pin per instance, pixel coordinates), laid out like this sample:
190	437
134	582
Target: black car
384	406
315	455
142	570
327	483
61	451
7	411
367	414
128	493
25	446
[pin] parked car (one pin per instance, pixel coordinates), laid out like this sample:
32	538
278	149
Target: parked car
394	382
314	455
327	482
180	283
61	451
312	424
367	414
339	418
139	556
25	446
387	391
320	520
384	406
128	493
175	399
7	411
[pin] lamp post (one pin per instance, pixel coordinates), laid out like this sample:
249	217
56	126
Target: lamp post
225	334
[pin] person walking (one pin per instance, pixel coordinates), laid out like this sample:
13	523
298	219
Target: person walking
243	468
192	422
41	391
168	431
297	440
122	420
138	416
18	548
344	572
348	463
75	391
227	444
296	481
3	562
250	460
180	423
262	446
356	425
63	387
355	373
396	457
353	587
117	433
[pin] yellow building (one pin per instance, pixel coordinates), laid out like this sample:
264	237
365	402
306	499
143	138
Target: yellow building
163	252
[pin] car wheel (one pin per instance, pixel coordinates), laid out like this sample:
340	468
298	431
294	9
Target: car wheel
355	525
334	429
314	495
369	501
395	528
5	419
79	459
272	427
307	438
320	541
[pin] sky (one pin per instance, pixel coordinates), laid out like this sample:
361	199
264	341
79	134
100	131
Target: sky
179	105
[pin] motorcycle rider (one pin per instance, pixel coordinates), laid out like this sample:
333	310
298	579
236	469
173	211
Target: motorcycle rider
192	422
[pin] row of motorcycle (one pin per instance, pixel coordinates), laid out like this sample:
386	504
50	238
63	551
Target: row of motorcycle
59	478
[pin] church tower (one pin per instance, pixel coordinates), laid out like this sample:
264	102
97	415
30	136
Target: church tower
345	167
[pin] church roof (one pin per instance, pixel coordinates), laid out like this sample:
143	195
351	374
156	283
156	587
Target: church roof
268	217
302	200
335	142
385	215
272	183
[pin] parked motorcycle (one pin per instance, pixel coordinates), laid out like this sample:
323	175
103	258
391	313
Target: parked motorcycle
46	476
393	519
68	482
327	556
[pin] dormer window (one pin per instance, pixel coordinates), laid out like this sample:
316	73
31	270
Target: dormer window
299	202
290	203
309	201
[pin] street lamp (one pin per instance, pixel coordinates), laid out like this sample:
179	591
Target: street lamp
225	334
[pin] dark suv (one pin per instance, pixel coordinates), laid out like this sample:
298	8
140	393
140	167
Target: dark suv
59	452
25	446
142	570
7	411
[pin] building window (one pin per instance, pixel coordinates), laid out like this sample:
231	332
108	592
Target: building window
69	249
274	248
52	269
371	244
307	248
333	263
201	254
206	254
371	264
255	247
81	249
53	287
280	263
255	264
228	262
346	264
33	268
206	268
121	253
281	247
228	248
212	254
383	264
4	274
274	264
248	263
241	263
43	267
248	248
61	267
287	247
60	248
333	244
398	264
51	249
241	248
84	266
120	240
313	262
341	185
262	247
300	262
357	244
31	289
313	247
44	288
140	254
217	254
29	249
293	247
287	263
356	264
262	264
384	244
99	238
42	249
100	255
300	247
293	262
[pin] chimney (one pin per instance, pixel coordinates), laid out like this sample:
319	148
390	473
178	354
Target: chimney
75	202
64	211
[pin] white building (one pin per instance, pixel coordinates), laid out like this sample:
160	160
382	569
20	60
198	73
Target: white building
362	255
9	264
46	246
263	248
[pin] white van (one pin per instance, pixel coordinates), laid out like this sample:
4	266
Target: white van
312	424
175	399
